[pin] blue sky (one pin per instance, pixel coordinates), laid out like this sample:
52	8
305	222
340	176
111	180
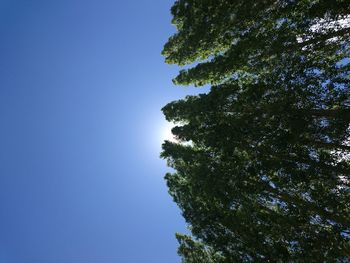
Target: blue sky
81	87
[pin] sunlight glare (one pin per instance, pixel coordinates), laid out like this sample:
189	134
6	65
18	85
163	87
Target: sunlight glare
166	133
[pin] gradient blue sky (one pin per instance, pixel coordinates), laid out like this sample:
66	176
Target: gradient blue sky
81	87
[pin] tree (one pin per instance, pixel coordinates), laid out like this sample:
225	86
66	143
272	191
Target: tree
194	251
242	164
255	38
258	179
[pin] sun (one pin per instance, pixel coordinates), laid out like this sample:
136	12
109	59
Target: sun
166	134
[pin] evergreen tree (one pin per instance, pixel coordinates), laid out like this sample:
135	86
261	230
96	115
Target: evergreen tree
258	173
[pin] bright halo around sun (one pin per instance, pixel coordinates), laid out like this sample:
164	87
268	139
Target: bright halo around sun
166	134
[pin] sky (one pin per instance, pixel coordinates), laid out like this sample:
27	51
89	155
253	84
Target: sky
82	83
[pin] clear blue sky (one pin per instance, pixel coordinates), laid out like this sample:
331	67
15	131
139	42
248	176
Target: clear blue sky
81	87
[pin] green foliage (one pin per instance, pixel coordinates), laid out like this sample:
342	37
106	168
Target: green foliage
194	251
261	163
254	38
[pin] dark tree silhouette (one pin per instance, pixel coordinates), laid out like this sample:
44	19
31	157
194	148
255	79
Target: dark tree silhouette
262	160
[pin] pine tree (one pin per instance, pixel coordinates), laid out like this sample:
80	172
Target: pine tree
258	173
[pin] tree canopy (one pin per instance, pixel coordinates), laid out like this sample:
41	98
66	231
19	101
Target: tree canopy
262	160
